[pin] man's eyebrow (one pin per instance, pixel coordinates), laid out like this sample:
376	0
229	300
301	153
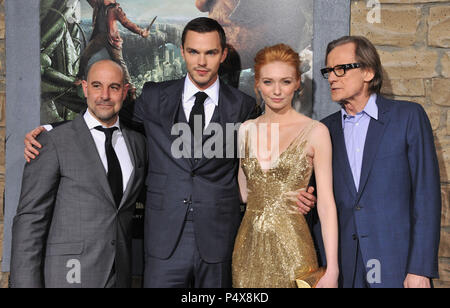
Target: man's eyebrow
208	51
111	85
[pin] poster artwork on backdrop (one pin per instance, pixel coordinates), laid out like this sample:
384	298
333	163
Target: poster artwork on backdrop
69	35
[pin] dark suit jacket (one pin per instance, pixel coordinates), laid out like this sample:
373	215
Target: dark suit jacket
395	214
209	186
67	217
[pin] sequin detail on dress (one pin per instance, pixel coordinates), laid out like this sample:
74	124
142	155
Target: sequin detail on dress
274	243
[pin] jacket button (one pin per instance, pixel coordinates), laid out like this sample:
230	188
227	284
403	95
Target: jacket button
355	237
358	207
185	201
113	243
193	174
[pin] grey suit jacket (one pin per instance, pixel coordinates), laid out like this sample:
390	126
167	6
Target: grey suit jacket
68	231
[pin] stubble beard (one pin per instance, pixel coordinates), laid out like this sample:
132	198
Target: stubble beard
206	83
105	116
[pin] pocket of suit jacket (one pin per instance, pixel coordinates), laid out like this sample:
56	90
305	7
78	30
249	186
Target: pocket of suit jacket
63	249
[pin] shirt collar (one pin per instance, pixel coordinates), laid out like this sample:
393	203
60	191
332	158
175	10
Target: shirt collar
190	89
371	109
93	122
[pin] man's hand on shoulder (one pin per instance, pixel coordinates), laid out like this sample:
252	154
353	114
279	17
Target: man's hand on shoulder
31	144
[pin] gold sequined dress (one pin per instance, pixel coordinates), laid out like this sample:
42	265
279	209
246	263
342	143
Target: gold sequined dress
274	243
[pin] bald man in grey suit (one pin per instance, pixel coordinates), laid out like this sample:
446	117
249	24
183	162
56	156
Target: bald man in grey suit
74	219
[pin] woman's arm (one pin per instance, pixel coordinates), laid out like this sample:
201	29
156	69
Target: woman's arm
242	184
326	205
242	179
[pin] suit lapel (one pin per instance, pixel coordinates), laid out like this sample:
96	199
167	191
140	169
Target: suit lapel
170	100
374	135
133	157
229	107
340	153
214	119
87	146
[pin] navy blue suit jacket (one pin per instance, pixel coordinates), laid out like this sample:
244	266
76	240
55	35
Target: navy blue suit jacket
209	186
396	212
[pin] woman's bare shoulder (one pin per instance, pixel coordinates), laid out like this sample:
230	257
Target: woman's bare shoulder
319	133
247	125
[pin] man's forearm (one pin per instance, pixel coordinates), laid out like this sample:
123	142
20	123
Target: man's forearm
34	214
426	197
122	18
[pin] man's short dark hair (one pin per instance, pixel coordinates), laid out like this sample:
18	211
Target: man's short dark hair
366	54
205	25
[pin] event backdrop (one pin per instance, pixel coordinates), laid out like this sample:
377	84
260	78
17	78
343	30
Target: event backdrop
67	26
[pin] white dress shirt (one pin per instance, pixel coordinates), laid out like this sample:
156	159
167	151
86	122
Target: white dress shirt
190	89
118	142
119	145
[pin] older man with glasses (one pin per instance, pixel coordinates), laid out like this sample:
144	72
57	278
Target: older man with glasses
386	175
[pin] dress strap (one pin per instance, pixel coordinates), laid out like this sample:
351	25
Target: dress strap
310	127
305	132
243	141
247	149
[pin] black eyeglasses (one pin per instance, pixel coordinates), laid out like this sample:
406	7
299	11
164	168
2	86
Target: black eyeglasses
339	70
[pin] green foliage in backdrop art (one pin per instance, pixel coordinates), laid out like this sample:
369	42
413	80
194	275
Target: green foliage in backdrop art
61	42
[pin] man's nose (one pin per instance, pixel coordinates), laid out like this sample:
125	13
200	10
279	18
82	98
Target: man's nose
105	94
202	60
332	77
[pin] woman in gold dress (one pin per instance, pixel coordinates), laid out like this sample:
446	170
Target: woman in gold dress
279	151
